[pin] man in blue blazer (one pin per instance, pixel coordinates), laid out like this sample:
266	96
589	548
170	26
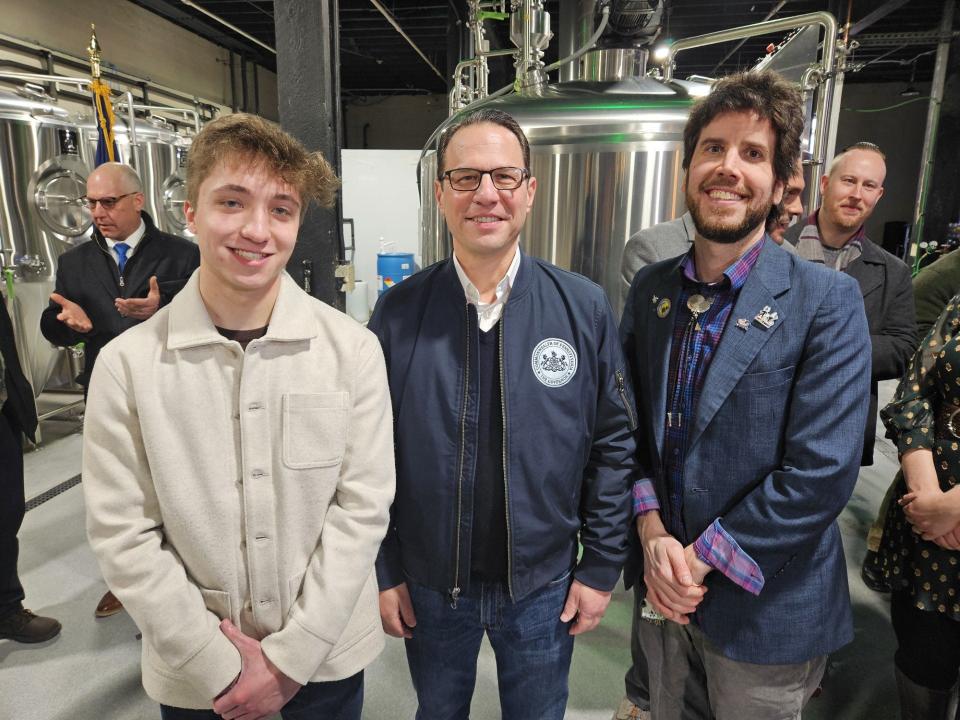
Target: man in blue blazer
751	369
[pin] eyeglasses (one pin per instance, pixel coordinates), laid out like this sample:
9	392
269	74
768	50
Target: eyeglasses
107	203
468	179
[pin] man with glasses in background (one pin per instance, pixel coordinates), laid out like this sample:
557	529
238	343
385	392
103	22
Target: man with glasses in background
120	278
513	436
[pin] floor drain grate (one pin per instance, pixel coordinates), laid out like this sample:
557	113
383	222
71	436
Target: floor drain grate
40	499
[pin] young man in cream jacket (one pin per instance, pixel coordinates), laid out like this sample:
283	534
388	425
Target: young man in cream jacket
238	459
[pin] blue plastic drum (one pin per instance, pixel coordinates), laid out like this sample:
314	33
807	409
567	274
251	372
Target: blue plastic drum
393	268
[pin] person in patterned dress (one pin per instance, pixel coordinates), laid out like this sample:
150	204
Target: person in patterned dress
920	551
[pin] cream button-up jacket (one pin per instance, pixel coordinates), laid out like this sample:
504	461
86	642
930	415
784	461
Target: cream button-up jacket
253	485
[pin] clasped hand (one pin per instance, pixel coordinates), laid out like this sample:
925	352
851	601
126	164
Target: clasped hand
260	690
934	515
673	574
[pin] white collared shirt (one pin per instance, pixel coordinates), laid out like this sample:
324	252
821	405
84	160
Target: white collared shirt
489	313
133	240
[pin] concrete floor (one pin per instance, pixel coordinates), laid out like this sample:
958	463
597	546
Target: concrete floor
92	671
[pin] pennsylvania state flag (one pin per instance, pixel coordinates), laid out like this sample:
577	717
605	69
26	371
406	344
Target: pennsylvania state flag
106	145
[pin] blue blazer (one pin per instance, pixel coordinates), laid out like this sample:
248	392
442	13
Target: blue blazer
775	447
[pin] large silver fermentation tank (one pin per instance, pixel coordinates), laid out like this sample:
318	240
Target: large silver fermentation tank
159	157
43	171
173	192
606	144
607	158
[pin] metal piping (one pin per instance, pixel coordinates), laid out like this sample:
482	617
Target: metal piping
776	8
523	62
586	47
828	72
878	14
170	109
107	73
933	119
824	19
57	80
396	26
226	24
132	130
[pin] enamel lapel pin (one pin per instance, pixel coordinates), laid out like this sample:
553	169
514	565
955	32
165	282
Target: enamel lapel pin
766	317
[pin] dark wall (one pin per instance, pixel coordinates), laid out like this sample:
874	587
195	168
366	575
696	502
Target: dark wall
898	131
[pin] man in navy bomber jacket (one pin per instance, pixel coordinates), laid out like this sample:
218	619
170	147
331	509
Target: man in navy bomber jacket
514	441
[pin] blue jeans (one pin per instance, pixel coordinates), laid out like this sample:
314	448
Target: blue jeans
335	700
532	648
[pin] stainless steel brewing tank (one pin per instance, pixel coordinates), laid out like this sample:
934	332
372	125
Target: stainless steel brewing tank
173	192
43	173
155	159
607	158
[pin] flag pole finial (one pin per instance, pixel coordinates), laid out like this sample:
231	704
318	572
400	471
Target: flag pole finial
93	50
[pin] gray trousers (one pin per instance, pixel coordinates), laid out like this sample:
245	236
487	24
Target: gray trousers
636	680
691	680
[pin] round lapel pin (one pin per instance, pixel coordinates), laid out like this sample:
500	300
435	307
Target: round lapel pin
663	308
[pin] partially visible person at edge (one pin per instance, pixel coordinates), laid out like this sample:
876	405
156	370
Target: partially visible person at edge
933	287
237	457
514	444
835	235
121	277
18	417
789	210
919	554
751	370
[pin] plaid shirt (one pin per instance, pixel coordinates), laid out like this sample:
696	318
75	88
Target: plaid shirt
693	347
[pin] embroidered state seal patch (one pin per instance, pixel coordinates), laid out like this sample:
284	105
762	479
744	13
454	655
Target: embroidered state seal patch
554	362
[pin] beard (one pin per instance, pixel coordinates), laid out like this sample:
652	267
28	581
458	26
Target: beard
718	228
845	222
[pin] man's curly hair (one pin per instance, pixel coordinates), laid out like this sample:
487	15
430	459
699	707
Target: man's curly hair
765	93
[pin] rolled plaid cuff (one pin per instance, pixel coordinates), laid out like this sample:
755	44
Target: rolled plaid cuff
721	552
644	497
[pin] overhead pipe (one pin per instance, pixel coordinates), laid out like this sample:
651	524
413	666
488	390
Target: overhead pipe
396	26
227	24
773	11
828	70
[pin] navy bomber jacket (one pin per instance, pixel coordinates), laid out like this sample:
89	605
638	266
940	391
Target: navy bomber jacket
568	422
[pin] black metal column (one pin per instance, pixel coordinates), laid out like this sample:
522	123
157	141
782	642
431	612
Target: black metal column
308	87
943	192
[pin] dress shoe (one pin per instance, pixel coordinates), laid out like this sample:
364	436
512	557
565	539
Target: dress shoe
870	573
108	605
24	626
629	711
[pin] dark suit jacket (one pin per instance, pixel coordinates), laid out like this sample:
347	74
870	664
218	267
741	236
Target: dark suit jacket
88	275
932	289
20	407
887	292
774	447
653	244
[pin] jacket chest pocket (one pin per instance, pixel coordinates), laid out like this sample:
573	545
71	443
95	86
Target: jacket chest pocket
314	429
